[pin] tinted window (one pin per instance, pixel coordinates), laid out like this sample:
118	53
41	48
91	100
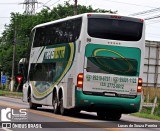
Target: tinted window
63	32
42	71
119	66
114	29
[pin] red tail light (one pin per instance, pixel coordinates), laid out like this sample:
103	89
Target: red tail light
80	80
89	15
139	88
141	20
116	17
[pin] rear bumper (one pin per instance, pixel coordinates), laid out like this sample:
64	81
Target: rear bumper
99	103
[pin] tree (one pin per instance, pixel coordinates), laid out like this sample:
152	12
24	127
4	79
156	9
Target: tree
23	25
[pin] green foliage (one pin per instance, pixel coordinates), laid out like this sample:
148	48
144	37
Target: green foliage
146	110
157	109
5	58
10	94
22	25
146	115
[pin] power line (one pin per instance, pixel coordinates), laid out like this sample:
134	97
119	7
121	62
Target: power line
142	12
146	12
54	3
152	17
130	4
52	10
48	7
43	4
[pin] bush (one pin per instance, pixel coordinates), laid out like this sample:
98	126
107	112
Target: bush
146	110
157	109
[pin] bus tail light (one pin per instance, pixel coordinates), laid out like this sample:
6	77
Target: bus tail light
89	15
139	88
116	16
80	80
141	20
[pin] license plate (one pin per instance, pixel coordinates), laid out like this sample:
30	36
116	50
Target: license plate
109	94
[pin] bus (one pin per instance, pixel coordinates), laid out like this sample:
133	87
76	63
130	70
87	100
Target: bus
92	62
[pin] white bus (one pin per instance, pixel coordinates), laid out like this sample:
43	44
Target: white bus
92	62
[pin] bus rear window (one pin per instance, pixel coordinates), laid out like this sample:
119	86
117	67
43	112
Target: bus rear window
114	29
110	65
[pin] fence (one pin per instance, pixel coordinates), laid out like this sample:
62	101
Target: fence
151	78
152	64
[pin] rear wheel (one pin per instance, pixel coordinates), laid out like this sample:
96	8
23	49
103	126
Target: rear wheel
63	111
113	116
55	103
76	111
31	105
101	115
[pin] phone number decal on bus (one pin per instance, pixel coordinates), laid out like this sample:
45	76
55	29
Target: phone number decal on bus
112	85
110	79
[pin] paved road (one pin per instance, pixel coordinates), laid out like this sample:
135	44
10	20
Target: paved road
87	120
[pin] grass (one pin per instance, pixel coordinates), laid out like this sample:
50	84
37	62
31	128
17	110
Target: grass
149	93
10	94
146	115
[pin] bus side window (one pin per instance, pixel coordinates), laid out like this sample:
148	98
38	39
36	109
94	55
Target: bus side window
51	73
63	32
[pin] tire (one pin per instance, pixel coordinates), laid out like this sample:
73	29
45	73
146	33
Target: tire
31	105
63	111
113	116
76	111
101	115
55	103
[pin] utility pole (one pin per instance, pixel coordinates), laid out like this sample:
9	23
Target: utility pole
14	56
75	7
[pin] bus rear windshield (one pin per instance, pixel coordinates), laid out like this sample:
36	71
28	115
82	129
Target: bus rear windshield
114	29
110	65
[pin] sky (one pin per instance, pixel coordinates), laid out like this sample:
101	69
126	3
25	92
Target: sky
124	7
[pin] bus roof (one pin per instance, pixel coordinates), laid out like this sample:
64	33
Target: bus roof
81	15
59	20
